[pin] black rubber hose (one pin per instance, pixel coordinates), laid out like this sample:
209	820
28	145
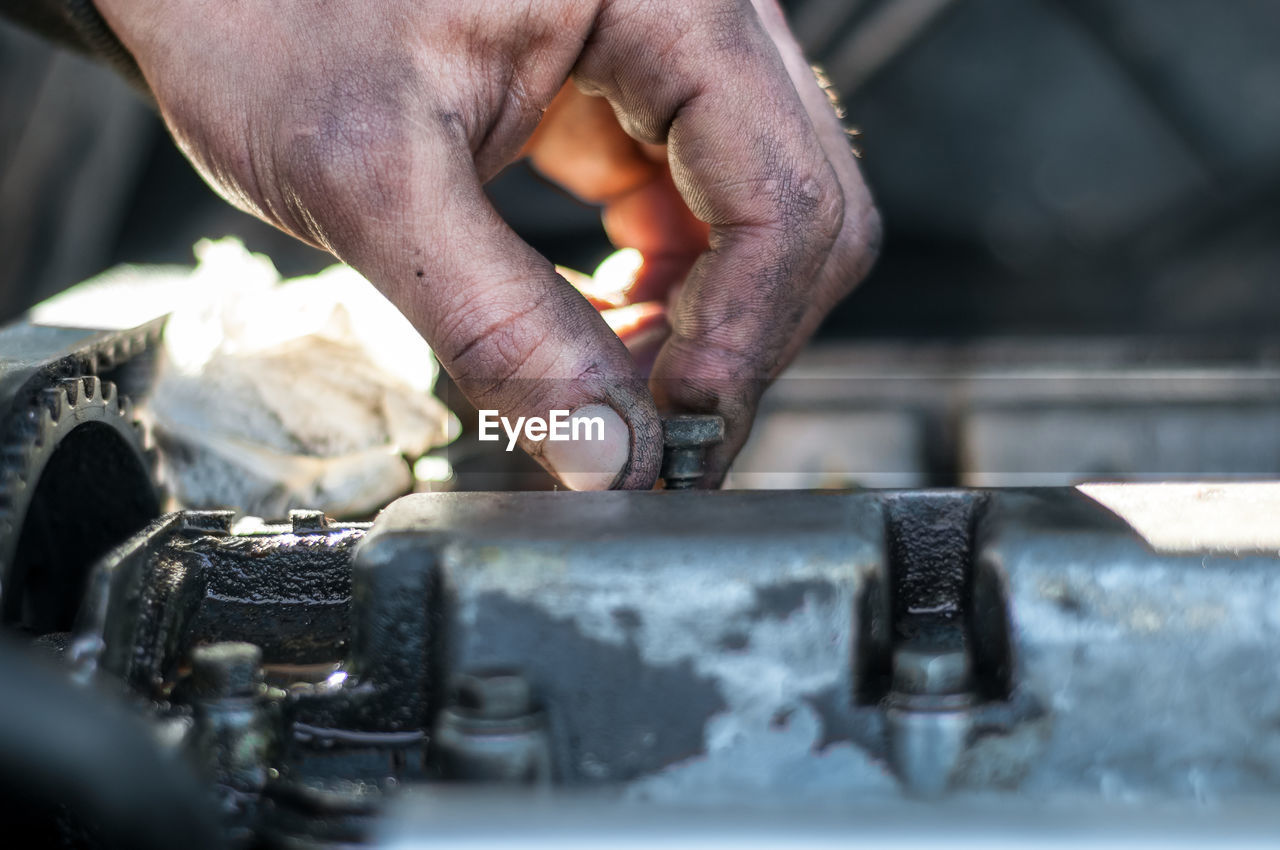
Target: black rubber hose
73	750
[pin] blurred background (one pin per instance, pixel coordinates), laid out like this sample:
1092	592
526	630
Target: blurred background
1079	280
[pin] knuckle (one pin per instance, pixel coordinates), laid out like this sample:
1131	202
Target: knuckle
803	204
349	151
811	201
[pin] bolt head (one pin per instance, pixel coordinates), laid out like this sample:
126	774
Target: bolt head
692	431
226	669
209	522
497	695
930	670
308	522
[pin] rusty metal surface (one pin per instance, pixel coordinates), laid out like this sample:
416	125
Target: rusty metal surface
781	649
1156	671
437	818
740	648
658	624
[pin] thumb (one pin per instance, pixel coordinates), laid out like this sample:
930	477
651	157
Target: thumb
516	337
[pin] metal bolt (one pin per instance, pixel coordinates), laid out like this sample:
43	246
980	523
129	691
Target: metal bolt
927	715
208	522
493	696
308	522
493	731
236	727
930	670
685	440
227	669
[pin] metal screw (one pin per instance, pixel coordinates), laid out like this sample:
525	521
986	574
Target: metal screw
685	441
227	669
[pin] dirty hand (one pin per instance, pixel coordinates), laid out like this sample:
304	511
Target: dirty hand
368	130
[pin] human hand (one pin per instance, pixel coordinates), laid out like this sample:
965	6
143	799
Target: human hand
369	130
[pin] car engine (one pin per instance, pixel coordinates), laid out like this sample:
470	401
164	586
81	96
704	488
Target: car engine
806	667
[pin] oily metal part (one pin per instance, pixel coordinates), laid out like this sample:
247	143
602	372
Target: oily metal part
788	648
686	439
705	648
664	630
427	818
188	580
35	356
83	435
1156	672
64	414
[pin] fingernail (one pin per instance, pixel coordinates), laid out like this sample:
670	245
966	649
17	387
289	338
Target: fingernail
594	459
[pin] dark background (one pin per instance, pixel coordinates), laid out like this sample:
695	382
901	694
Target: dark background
1044	166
